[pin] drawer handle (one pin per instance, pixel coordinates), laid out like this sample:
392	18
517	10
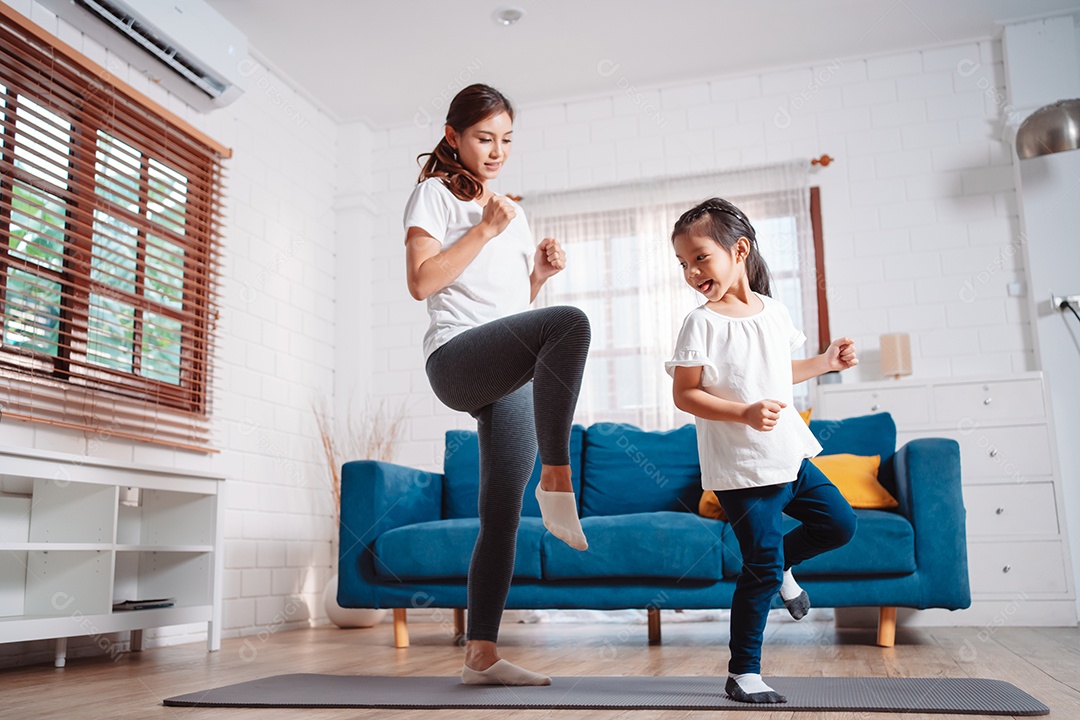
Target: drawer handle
875	407
1006	569
987	401
999	511
993	452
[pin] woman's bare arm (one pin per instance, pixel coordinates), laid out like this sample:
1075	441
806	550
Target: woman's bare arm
429	267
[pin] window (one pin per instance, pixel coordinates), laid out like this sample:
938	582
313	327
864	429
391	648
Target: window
622	272
109	215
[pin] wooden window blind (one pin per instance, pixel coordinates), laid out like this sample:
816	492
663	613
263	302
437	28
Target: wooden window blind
109	232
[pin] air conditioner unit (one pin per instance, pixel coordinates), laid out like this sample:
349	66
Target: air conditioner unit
185	45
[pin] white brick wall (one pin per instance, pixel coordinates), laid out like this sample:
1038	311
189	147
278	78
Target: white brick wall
274	357
919	209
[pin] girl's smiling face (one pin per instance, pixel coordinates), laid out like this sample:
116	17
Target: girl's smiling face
708	267
485	146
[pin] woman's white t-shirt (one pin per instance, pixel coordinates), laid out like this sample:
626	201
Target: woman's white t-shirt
746	360
495	284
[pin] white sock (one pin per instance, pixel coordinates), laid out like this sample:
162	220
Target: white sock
751	683
790	589
559	510
503	672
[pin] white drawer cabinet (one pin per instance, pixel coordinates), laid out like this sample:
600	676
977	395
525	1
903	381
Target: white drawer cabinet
1011	510
79	534
906	407
1017	539
1007	568
1009	400
1018	453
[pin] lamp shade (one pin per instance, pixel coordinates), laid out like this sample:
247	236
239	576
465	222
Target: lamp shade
1051	129
895	355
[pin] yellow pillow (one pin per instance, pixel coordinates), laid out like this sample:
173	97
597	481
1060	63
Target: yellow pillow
709	506
856	478
805	414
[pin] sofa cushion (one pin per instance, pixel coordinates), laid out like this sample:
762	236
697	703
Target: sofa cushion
884	544
667	545
856	477
865	435
461	468
442	549
629	470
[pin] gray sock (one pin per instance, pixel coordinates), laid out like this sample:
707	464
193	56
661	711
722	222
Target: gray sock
798	607
750	688
795	598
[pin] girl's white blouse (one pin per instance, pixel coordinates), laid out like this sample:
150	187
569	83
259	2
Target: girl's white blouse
746	360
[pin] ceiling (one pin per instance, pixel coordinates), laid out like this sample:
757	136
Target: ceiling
383	62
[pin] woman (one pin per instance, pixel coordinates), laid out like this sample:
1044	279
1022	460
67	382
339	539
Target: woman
470	254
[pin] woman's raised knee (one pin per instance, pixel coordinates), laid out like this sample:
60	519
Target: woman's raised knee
573	318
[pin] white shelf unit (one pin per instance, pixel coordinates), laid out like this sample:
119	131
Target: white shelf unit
78	534
1018	549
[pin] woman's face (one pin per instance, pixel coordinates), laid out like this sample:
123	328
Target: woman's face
485	146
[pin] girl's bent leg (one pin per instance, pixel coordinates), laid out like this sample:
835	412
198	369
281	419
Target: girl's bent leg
827	520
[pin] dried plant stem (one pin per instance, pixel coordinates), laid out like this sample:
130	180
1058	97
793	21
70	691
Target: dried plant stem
371	436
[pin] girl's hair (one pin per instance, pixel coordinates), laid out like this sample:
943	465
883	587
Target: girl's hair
725	223
470	106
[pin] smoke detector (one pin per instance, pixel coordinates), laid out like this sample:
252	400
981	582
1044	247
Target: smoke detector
507	16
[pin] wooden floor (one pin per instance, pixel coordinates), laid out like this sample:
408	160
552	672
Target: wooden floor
1044	662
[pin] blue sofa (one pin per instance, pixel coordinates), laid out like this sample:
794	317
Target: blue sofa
407	535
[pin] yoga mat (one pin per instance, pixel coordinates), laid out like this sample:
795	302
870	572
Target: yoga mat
974	696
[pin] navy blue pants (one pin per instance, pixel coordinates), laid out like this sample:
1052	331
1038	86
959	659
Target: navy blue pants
756	515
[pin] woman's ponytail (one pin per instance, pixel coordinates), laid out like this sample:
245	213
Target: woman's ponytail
442	162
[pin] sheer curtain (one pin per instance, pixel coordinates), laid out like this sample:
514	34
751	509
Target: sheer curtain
622	272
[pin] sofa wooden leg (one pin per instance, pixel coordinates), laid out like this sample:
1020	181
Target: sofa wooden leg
459	624
401	630
654	626
886	629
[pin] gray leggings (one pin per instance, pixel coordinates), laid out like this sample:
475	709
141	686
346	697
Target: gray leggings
519	377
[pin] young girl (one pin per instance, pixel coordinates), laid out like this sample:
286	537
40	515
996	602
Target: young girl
470	254
733	370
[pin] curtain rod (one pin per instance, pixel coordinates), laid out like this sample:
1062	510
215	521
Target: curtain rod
823	161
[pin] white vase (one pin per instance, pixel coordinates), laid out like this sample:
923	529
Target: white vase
348	617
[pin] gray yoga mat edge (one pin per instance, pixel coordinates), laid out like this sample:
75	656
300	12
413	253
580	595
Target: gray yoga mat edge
976	696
